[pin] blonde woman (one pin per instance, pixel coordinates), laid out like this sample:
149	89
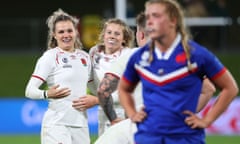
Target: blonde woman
171	69
115	40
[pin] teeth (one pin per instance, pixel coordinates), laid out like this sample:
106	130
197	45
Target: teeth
111	41
66	39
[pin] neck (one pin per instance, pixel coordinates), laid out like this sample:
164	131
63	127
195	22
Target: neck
164	42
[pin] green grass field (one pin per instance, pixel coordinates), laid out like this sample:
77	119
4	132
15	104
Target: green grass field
35	139
16	70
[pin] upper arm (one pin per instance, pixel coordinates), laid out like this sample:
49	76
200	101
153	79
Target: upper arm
226	82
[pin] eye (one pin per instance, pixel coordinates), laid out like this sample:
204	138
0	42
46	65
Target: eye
61	31
117	33
69	30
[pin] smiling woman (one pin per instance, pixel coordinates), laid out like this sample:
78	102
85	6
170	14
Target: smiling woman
66	69
115	40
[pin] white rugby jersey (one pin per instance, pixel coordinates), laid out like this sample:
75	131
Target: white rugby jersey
70	70
118	69
102	63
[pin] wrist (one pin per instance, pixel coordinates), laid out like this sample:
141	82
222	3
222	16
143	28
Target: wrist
45	94
96	101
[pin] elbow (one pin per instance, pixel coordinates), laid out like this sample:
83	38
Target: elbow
233	91
236	89
213	89
27	95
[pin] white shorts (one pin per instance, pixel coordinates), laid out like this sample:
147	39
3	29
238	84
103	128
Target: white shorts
120	133
60	134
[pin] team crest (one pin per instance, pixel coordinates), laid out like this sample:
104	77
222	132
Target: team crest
181	58
144	59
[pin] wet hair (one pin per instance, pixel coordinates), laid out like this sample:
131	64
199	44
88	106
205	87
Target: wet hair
58	16
174	10
128	35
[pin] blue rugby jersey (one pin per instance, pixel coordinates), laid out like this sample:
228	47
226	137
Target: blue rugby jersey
169	87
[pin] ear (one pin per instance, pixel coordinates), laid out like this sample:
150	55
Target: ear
124	43
174	22
53	35
142	36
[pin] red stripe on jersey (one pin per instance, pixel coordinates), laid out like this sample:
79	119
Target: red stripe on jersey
114	75
38	77
219	74
126	80
170	77
57	59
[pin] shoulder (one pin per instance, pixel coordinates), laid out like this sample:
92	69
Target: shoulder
82	52
93	50
139	50
50	53
198	49
126	50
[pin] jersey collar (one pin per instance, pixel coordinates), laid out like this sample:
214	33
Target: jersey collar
166	55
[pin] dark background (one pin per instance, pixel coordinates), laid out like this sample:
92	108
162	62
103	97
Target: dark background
23	28
43	8
23	34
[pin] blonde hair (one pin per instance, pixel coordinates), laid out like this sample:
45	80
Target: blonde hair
173	9
128	35
57	16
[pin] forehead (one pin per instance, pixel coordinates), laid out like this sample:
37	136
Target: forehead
155	8
114	27
63	24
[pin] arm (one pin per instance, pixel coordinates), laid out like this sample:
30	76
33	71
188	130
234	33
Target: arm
229	90
208	89
106	87
33	90
126	99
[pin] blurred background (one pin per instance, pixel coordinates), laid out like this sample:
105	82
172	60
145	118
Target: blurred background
23	34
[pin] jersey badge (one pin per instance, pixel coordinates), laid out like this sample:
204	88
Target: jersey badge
65	63
144	59
84	62
181	58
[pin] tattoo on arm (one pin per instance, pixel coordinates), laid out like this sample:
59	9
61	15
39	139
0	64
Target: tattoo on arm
106	87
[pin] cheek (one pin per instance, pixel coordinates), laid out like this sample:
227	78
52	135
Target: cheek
120	39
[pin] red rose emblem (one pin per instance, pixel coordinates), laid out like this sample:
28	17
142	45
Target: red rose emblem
84	62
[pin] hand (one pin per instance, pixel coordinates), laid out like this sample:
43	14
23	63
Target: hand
56	92
139	116
194	121
85	102
116	121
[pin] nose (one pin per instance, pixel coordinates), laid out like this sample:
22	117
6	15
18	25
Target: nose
149	21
